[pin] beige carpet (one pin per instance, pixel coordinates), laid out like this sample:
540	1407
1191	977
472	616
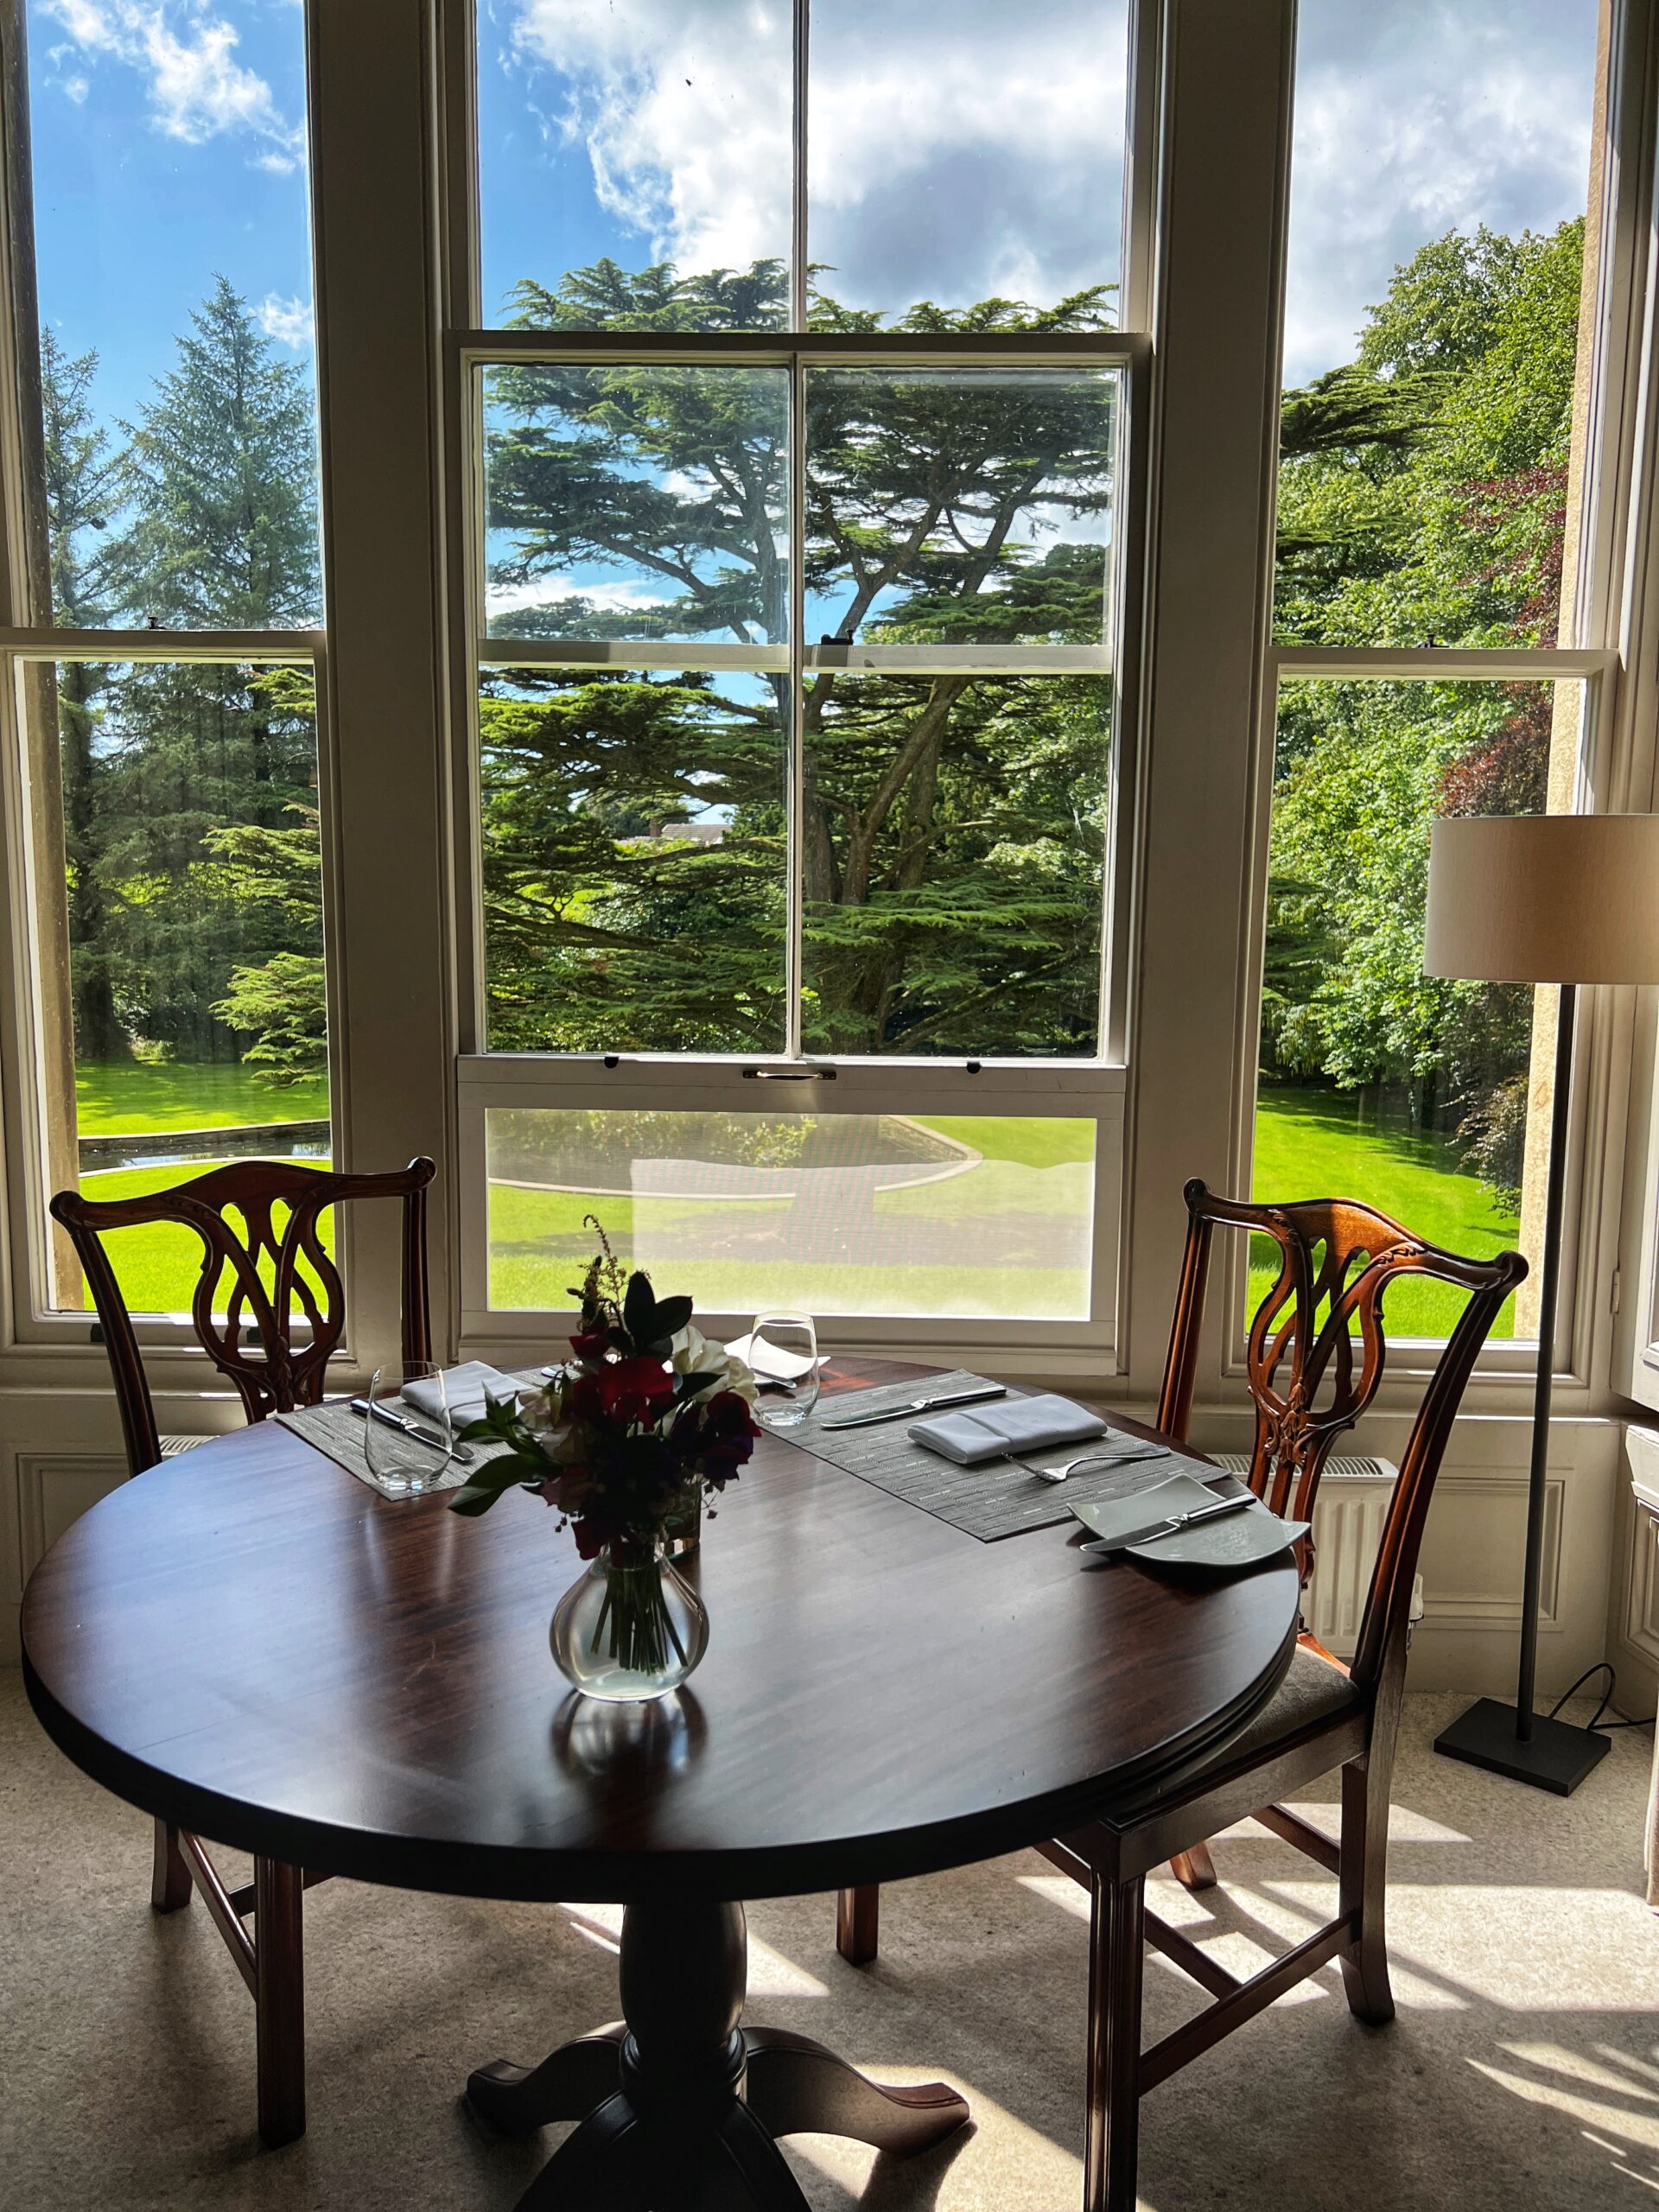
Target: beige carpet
1522	2071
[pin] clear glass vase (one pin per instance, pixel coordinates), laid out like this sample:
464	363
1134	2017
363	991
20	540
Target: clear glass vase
630	1629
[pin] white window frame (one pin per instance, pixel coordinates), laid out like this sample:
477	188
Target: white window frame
36	1320
1597	670
1095	1085
640	1083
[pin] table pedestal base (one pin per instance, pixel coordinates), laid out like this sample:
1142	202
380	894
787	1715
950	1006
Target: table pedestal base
678	2105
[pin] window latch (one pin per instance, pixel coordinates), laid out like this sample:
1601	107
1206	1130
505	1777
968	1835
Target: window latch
788	1075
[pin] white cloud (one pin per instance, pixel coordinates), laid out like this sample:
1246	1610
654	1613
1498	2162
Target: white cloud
196	87
606	597
291	322
955	152
951	155
1416	118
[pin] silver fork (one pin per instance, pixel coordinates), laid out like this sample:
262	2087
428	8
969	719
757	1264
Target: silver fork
1091	1458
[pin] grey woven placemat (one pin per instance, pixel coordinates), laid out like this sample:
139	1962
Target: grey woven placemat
335	1430
989	1502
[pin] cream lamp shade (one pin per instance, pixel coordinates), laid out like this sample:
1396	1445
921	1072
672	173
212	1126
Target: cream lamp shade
1544	898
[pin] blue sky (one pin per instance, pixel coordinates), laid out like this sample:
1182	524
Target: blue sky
168	147
949	156
955	149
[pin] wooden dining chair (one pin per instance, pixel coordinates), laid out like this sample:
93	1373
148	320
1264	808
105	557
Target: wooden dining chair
1311	1377
270	1274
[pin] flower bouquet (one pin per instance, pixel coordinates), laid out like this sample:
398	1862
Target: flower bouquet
648	1419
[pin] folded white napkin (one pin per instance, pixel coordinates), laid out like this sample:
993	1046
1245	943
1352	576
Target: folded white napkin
464	1390
1011	1425
772	1360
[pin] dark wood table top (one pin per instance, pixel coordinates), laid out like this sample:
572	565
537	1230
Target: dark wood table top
252	1644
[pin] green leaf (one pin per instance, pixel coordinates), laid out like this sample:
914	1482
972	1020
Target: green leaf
639	1310
672	1314
473	1500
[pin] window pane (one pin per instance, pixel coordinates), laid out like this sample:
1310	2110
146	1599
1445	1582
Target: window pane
634	163
840	1213
191	909
634	858
953	845
964	155
636	502
1416	1095
961	506
1436	260
173	272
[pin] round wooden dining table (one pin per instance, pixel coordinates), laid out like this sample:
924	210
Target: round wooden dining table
251	1645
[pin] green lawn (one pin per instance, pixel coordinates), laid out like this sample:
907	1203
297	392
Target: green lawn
1308	1144
157	1263
1313	1144
119	1098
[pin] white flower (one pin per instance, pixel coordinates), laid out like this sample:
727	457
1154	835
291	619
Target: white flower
692	1353
542	1414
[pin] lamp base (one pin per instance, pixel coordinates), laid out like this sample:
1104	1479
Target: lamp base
1555	1757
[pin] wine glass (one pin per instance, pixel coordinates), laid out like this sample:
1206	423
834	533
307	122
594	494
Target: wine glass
783	1353
407	1459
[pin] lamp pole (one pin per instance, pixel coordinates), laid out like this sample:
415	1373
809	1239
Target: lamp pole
1549	1754
1548	1288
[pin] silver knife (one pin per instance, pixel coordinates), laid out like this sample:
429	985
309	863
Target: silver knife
459	1453
1172	1525
921	1406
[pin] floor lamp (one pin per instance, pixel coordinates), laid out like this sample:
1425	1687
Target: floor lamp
1565	898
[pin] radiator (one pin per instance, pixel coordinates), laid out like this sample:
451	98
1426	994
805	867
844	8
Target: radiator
1347	1529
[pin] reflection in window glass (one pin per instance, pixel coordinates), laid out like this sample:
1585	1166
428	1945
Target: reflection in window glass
838	1213
633	861
192	910
1378	1083
960	507
953	844
637	501
963	155
635	164
173	265
1431	332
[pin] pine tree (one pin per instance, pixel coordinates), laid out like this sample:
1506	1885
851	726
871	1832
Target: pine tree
224	534
85	483
952	828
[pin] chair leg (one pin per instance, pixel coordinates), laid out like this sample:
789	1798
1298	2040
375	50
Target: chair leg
279	1999
1363	1885
169	1881
1194	1869
1117	1942
858	1922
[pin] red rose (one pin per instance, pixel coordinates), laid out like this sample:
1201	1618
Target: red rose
722	1438
591	1342
585	1403
629	1389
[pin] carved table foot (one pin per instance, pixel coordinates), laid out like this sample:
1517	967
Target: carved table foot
679	2105
568	2085
798	2088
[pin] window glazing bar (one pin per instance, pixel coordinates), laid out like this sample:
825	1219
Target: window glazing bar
874	659
852	348
622	652
798	256
1450	662
277	645
969	660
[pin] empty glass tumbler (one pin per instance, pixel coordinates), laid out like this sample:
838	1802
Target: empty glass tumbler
411	1438
783	1353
